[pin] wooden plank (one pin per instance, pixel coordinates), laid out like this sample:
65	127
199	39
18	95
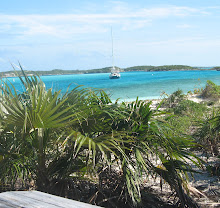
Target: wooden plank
6	204
37	199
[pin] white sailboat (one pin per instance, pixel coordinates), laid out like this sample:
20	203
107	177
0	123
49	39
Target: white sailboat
114	72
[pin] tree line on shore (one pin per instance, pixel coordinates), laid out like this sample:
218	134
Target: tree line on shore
107	70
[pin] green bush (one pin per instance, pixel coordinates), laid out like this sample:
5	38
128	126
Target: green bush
173	99
211	91
181	124
208	132
190	108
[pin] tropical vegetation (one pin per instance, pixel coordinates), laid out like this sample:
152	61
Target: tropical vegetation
83	146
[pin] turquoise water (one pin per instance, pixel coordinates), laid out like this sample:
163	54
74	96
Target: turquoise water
145	85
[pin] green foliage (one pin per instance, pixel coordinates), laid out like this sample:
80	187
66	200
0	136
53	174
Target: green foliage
190	108
208	132
154	138
181	123
186	113
214	169
197	91
52	139
160	68
177	104
211	91
189	92
173	99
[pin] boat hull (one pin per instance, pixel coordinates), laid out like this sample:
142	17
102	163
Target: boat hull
114	76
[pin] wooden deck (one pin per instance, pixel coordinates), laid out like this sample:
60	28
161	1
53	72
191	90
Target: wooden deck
37	199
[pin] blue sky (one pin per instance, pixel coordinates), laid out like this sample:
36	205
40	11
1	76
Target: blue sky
71	34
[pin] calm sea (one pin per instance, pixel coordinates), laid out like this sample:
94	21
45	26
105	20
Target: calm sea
145	85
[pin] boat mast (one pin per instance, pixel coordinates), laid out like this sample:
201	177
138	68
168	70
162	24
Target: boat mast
113	66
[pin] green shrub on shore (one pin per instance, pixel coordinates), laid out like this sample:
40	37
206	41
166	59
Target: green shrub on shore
179	105
173	100
208	132
211	91
190	108
181	124
186	113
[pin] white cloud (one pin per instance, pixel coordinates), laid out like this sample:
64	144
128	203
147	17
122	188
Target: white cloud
65	25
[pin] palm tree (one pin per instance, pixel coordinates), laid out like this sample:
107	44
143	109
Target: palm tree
151	139
32	114
46	128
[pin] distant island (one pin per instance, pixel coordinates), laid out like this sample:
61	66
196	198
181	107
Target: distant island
217	68
108	70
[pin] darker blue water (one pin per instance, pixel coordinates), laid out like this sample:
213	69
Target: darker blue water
145	85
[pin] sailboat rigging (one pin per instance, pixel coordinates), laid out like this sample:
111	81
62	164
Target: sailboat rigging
114	72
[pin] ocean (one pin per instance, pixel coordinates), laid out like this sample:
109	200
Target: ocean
145	85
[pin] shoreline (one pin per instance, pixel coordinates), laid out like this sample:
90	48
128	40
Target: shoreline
11	74
193	97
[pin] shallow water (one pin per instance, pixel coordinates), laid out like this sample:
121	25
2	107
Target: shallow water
145	85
